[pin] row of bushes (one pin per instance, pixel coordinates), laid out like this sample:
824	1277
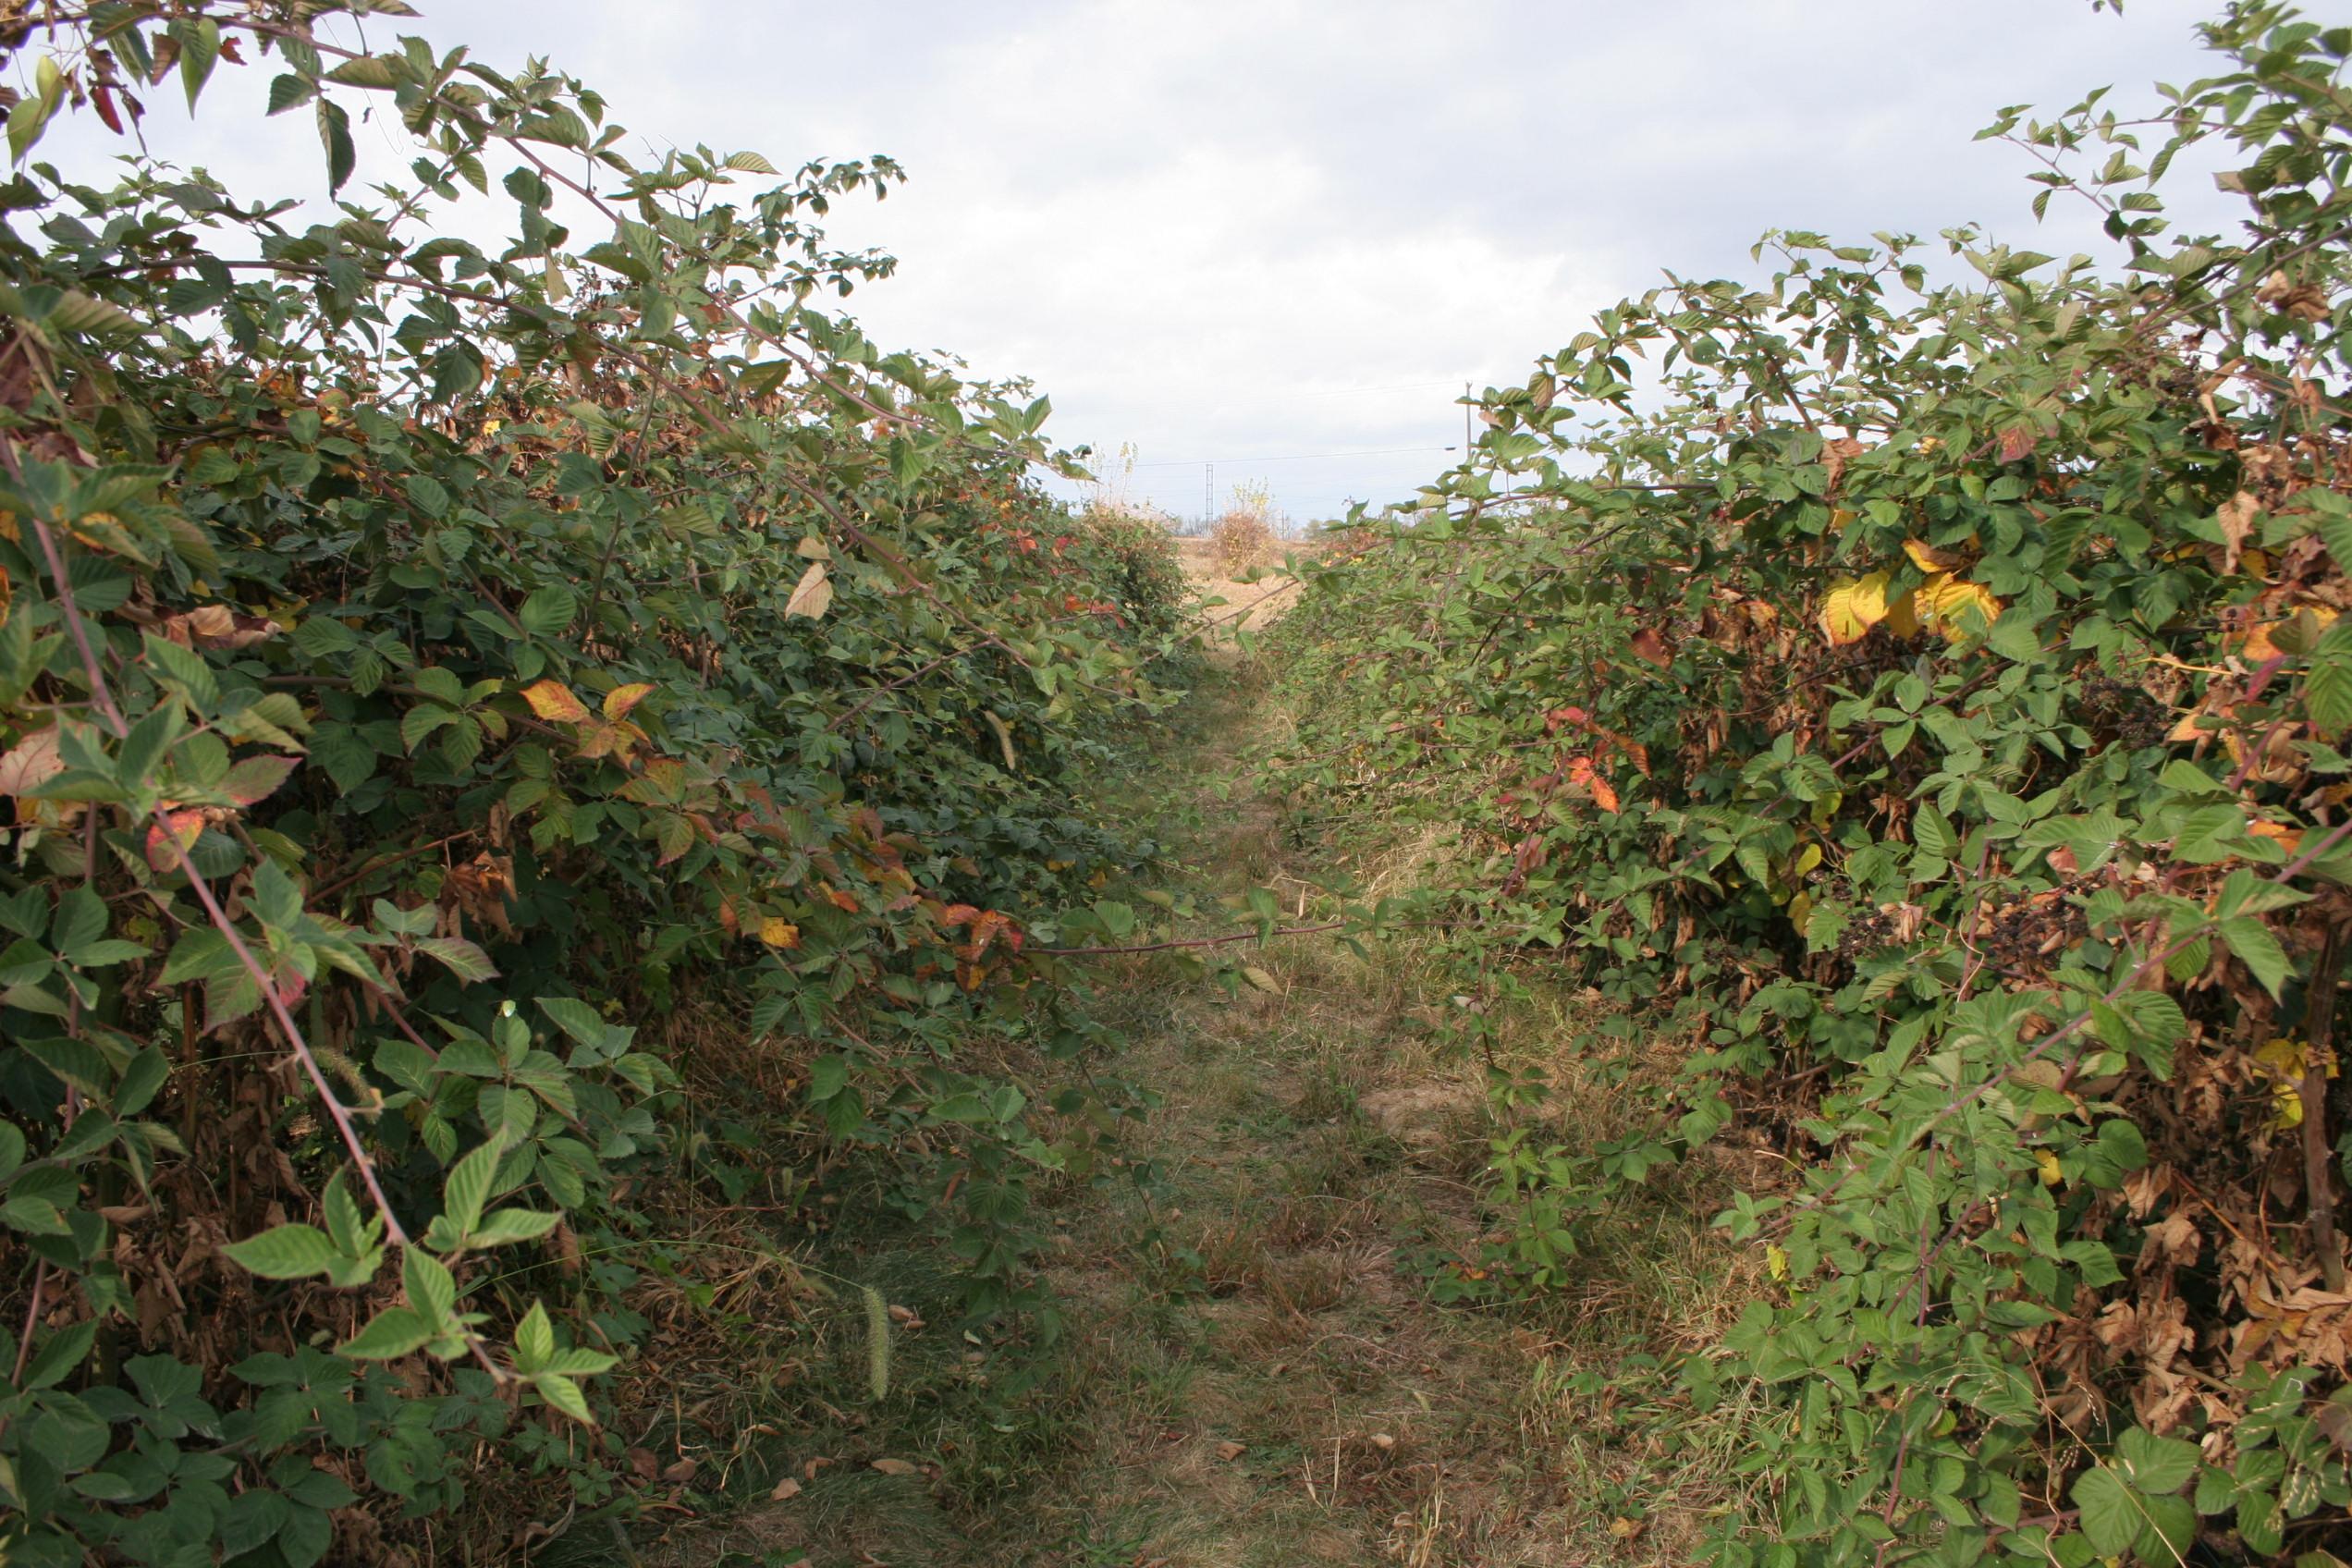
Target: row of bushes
443	689
1919	708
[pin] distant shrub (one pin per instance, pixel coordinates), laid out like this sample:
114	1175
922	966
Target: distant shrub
1240	540
1136	557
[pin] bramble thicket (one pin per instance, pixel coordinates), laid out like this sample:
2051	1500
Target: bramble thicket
538	763
512	747
1917	708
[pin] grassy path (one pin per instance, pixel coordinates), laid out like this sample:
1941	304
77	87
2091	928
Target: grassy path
1252	1373
1275	1388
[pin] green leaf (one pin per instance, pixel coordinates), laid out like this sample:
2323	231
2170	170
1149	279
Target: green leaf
198	48
2154	1464
2111	1515
433	1291
140	1081
828	1075
564	1394
509	1225
2327	694
548	610
395	1331
468	1187
463	958
335	135
379	72
2187	778
421	721
288	92
59	1354
2210	834
598	1040
305	1536
534	1340
2252	941
287	1252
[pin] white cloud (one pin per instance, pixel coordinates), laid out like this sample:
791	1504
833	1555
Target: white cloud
1196	225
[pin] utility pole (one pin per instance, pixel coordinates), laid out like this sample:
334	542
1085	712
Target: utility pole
1208	495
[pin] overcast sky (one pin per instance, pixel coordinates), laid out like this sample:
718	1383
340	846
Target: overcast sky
1245	231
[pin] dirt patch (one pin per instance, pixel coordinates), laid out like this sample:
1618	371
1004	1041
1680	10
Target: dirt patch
1232	603
1421	1116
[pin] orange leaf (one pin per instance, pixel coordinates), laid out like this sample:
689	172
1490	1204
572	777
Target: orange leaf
778	931
1649	645
2236	521
1929	558
2289	839
621	699
1603	794
553	700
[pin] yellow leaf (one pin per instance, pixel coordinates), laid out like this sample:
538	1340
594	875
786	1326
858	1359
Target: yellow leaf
2261	647
778	931
621	699
1958	609
2048	1163
1853	607
553	700
1776	1260
2284	1063
1004	739
1928	559
1903	616
1259	978
813	596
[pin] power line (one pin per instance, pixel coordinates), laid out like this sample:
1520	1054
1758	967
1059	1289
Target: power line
1295	458
1393	386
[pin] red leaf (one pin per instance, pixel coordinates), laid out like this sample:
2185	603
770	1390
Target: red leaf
256	778
172	837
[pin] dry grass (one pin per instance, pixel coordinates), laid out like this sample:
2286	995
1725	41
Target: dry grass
1235	600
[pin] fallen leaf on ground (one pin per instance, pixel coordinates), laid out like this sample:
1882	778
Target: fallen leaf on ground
786	1490
1230	1451
894	1466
